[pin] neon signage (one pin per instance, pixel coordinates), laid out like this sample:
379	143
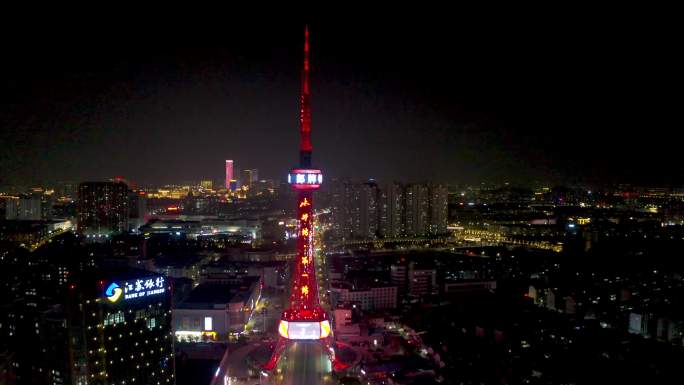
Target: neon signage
113	292
136	288
302	178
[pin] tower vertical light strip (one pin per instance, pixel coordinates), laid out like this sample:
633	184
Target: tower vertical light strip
305	318
305	110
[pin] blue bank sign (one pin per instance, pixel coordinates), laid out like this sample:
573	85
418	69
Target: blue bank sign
136	288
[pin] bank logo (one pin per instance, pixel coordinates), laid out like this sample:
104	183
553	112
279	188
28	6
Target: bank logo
113	292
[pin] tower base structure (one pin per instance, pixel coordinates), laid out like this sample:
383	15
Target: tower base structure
328	345
305	325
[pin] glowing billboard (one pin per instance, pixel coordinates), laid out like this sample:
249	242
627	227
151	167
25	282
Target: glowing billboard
136	288
304	330
297	330
305	178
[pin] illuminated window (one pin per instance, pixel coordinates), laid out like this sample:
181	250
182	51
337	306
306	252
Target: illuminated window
208	323
114	318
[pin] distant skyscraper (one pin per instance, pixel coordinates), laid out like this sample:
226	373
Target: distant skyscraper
417	205
355	210
246	178
27	208
364	210
249	176
102	208
229	173
339	214
11	207
367	211
439	203
391	209
137	210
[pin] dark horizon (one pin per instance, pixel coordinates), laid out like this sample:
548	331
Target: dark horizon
515	101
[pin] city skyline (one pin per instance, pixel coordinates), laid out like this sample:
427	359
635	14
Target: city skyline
475	227
435	102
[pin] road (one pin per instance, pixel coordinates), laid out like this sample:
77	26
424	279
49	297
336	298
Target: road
305	363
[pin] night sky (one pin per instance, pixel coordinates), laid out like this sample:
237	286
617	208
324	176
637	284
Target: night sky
569	99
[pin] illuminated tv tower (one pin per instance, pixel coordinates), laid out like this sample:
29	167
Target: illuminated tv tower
305	319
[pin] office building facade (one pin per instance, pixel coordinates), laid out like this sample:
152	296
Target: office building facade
99	330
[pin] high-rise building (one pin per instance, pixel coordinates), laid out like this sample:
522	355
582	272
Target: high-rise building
391	209
229	173
439	209
336	193
364	210
27	208
355	210
120	330
417	205
12	207
137	210
113	328
248	177
102	208
367	211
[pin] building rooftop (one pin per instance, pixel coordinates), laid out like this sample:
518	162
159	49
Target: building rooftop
207	295
361	285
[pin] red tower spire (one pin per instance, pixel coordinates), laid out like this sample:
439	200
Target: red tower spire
305	110
304	318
